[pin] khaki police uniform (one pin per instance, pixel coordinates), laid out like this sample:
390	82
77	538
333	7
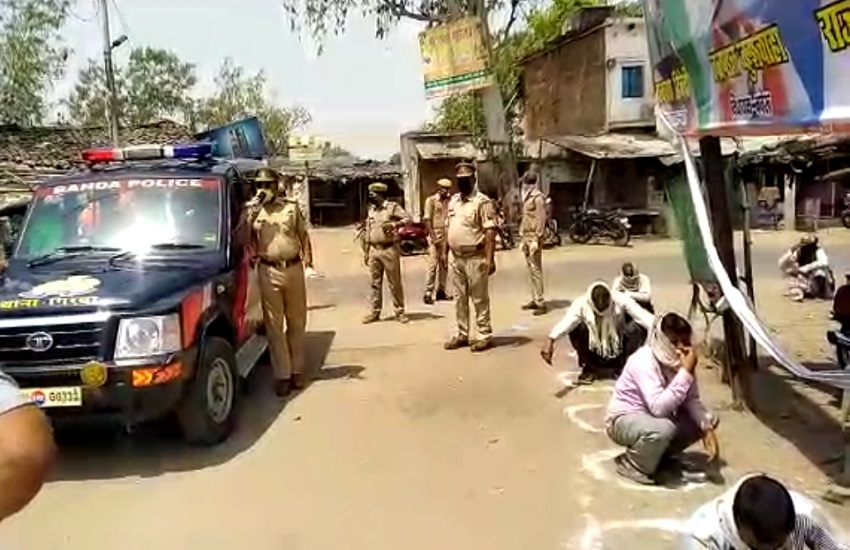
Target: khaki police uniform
436	214
383	255
469	219
279	234
531	229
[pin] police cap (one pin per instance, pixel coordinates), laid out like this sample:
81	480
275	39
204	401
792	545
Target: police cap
377	187
445	183
465	170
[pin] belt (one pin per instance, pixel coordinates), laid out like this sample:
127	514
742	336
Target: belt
382	245
469	252
282	263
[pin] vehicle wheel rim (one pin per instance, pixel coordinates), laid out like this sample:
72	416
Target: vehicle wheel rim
219	390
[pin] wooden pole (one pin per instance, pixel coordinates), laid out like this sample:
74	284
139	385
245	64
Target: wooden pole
748	268
718	204
589	183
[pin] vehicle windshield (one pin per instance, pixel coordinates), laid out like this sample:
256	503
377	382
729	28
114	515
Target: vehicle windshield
127	215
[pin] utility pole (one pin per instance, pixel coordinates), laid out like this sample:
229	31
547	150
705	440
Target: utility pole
714	175
108	46
498	133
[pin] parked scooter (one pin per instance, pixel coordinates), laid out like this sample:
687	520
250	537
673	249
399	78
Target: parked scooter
841	313
597	225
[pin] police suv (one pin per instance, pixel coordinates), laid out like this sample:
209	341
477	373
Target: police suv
126	296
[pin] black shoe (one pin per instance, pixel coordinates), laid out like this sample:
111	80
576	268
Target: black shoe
539	310
625	468
529	306
282	387
442	296
585	377
428	299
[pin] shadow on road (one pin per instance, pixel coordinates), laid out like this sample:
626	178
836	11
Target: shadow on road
422	316
98	452
782	405
510	341
318	307
554	305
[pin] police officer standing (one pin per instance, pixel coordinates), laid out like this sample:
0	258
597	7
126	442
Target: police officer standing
381	252
282	251
531	230
472	241
435	217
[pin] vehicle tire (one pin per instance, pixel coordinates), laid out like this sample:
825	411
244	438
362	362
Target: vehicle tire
621	236
207	413
407	248
845	220
578	234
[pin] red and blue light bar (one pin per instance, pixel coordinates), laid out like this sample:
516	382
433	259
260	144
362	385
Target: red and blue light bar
186	151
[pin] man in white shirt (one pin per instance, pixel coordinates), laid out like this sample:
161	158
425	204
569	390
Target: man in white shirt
604	327
759	512
807	267
634	284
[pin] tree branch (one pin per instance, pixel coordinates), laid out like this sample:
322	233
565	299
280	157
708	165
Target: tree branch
398	9
511	20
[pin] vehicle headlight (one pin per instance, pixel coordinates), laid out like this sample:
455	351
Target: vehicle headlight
146	336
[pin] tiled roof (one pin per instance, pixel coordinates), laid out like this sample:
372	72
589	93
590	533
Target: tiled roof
28	155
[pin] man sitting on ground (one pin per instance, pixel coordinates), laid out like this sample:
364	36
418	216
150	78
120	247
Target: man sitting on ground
759	512
635	285
807	267
604	328
655	411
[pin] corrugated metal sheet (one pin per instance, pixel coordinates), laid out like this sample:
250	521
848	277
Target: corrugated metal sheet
634	146
447	150
615	146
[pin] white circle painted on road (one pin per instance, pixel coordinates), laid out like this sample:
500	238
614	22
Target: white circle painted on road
572	412
593	536
593	464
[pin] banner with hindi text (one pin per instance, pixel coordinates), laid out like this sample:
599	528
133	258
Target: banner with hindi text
733	67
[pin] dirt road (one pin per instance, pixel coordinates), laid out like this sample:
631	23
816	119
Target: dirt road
400	444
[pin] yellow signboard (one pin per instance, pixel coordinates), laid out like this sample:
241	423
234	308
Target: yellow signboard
306	148
454	58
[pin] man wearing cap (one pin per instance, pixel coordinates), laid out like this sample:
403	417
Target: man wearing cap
472	241
436	209
531	229
381	253
282	250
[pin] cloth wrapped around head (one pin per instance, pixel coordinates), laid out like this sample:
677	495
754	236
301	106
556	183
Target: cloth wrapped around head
604	336
664	349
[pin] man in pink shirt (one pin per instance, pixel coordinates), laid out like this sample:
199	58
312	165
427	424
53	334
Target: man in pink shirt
656	411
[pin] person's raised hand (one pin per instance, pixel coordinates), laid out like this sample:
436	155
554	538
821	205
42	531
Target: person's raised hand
688	357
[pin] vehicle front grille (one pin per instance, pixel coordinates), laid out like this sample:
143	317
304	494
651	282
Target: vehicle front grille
71	344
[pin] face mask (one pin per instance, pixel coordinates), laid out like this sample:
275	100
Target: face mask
375	199
464	185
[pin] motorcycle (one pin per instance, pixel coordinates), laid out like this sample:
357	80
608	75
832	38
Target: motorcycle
840	338
551	237
504	235
596	225
412	238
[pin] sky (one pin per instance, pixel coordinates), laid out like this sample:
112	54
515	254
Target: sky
362	92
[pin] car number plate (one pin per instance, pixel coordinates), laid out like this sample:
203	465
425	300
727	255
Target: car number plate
70	396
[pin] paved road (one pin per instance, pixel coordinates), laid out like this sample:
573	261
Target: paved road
398	444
